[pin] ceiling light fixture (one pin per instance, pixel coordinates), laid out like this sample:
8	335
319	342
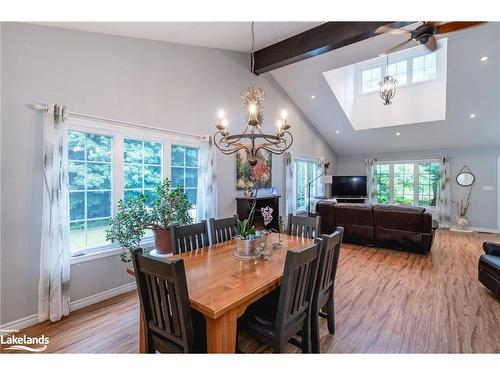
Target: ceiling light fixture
472	115
484	58
313	97
398	133
338	131
252	139
387	86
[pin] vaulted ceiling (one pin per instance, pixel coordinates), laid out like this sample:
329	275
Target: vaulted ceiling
473	87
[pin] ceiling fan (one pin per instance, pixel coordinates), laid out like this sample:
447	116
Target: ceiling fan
425	33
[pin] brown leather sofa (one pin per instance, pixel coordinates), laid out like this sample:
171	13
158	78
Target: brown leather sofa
489	268
397	227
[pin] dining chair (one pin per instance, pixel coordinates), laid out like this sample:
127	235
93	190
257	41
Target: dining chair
189	237
222	230
275	321
323	294
303	226
171	326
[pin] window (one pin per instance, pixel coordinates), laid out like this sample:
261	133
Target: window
408	183
90	188
404	186
370	79
407	71
399	72
383	183
112	162
428	180
185	171
142	168
305	171
424	67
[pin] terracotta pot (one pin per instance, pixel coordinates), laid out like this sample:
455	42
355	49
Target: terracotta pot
163	241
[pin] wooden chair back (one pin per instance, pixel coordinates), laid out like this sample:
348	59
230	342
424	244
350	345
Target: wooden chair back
222	230
164	301
303	226
327	268
299	278
189	237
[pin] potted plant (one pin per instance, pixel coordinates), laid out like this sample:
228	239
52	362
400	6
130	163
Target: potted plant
128	226
252	242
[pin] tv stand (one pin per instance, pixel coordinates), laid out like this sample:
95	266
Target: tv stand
350	200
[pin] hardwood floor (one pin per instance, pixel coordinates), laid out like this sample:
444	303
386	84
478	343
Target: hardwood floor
386	302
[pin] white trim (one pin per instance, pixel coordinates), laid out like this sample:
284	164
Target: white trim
99	297
487	230
84	302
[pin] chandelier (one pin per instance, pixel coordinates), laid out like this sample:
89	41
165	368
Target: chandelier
252	139
387	86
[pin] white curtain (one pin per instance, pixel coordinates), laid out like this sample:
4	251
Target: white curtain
320	168
206	200
289	184
444	192
371	178
53	289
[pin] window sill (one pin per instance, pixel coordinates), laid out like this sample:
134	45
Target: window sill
104	253
94	255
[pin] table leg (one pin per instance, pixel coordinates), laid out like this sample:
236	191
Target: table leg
222	333
142	334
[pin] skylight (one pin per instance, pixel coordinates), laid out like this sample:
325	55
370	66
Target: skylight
420	91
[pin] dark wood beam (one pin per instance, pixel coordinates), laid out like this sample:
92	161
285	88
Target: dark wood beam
323	38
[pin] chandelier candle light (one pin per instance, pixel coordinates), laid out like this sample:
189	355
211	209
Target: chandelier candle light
252	139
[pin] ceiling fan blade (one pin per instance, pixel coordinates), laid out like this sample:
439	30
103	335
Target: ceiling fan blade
431	44
390	50
391	30
454	26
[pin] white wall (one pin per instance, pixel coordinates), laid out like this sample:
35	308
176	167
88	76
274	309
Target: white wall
155	83
481	161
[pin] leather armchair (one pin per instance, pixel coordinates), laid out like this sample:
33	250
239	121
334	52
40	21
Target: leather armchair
489	268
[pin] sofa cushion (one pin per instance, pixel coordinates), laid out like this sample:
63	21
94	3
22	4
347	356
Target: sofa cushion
492	263
398	217
357	221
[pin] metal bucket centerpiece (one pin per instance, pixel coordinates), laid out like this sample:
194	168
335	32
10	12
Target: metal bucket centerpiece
252	247
252	243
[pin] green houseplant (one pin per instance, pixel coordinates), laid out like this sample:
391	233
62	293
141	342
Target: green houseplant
170	207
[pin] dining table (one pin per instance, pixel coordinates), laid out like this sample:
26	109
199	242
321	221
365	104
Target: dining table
221	286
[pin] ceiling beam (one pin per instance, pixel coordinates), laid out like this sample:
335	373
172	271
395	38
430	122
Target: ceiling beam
323	38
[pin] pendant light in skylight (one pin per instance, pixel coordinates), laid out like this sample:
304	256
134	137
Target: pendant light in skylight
387	86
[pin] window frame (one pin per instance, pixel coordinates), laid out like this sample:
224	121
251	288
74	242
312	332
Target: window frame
381	63
118	134
306	159
416	168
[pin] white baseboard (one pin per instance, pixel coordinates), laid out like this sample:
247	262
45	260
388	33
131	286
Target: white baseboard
20	323
87	301
487	230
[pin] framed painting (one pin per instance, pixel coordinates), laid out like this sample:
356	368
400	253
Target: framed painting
260	175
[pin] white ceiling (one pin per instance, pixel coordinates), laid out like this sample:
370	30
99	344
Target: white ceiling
472	87
234	36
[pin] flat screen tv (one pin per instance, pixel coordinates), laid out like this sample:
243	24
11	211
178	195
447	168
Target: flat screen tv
349	186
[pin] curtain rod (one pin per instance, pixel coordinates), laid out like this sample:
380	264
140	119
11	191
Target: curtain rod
45	108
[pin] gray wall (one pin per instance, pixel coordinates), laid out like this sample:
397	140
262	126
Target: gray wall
482	161
161	84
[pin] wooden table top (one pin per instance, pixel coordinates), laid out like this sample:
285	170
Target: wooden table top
218	282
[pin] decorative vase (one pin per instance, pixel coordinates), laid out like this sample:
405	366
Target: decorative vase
250	248
163	241
248	193
463	223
